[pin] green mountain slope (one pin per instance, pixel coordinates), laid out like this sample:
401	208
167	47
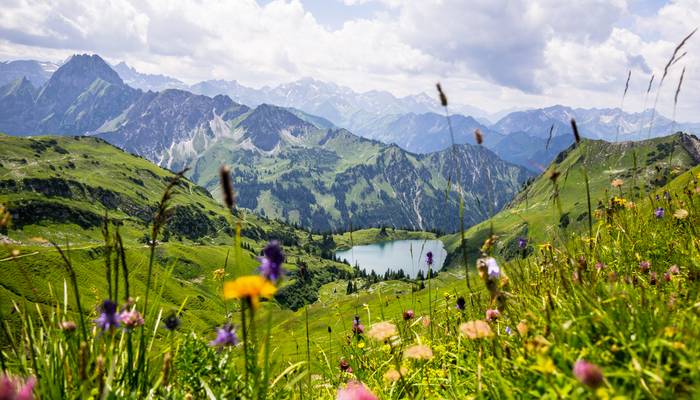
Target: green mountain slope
538	214
59	188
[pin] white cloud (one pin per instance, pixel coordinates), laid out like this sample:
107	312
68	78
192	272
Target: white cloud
491	53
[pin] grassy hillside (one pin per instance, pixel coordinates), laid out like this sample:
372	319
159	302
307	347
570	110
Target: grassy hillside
550	209
59	189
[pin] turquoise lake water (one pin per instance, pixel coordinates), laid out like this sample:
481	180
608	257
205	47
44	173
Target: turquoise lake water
408	255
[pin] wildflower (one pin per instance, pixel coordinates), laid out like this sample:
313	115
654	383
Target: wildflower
616	183
355	391
476	329
426	322
588	373
108	317
15	389
461	303
382	331
131	319
659	212
251	288
657	197
271	261
393	375
599	266
171	322
361	345
492	315
667	277
674	270
618	201
508	330
652	278
344	365
680	214
68	326
645	266
218	274
225	336
575	277
419	352
522	328
667	195
488	268
357	327
408	315
522	242
429	258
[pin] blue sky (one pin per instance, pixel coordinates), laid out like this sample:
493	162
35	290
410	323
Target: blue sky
492	54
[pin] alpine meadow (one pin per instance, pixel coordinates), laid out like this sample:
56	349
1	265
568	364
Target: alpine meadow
349	199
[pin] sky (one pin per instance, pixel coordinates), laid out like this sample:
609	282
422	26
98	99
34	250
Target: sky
491	54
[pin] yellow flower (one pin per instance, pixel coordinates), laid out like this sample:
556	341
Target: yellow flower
618	201
419	352
681	214
251	287
617	182
361	345
545	246
382	331
476	330
218	273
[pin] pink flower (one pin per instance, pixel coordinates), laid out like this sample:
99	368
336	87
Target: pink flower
588	373
355	391
15	389
492	315
131	319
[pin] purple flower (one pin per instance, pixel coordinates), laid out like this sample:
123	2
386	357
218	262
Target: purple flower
225	336
494	271
357	327
588	373
408	315
644	266
108	316
271	261
429	258
599	265
344	365
652	278
522	242
657	197
659	212
508	330
171	322
461	303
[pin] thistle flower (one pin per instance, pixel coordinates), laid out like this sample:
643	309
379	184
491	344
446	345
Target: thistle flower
461	303
419	352
225	336
344	365
588	373
271	261
644	266
171	322
355	391
476	330
408	315
492	315
15	389
382	331
429	258
108	316
131	319
659	212
250	288
357	327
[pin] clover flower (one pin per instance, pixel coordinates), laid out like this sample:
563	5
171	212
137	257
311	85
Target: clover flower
408	315
588	373
355	391
357	327
492	315
14	389
271	261
644	266
108	318
225	336
131	318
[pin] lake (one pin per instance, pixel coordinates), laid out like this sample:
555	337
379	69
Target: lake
408	255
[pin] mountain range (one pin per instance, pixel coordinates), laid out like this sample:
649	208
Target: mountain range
286	163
